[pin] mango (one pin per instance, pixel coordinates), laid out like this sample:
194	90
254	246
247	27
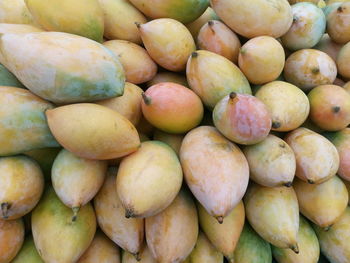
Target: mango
215	170
11	239
149	179
197	24
77	180
218	38
271	162
51	219
168	77
8	79
274	214
61	67
101	250
327	45
119	20
137	64
145	256
308	68
184	11
338	23
126	233
172	108
81	18
93	131
173	140
23	126
18	28
252	18
347	86
172	234
309	248
168	42
288	105
261	59
251	248
347	185
243	119
144	127
22	184
204	68
15	12
316	157
323	204
224	237
330	107
298	1
309	25
335	242
28	253
342	60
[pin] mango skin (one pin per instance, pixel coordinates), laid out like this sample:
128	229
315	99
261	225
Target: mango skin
205	68
52	219
11	239
197	24
23	125
309	248
317	158
18	28
173	140
8	79
28	253
328	46
168	76
183	11
61	67
338	23
342	58
92	131
83	18
145	255
15	12
335	242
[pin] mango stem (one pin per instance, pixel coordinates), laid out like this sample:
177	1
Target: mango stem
75	213
4	209
220	219
295	248
146	99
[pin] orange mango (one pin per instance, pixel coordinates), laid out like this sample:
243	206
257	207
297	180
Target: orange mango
11	239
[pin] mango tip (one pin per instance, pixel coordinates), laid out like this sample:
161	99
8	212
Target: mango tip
220	219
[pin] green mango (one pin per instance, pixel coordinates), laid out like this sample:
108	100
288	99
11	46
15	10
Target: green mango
8	79
28	253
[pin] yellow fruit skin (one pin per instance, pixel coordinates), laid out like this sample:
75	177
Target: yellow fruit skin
338	23
127	233
15	12
119	20
11	239
22	184
173	140
343	59
149	179
168	77
83	18
172	234
317	158
196	25
145	255
18	29
215	170
93	131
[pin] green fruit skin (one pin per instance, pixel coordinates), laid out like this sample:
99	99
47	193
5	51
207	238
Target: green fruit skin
28	253
56	236
8	79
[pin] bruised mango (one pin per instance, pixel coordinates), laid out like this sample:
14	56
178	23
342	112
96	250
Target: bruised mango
224	236
28	253
93	131
197	24
215	170
343	60
81	18
316	158
168	77
212	77
137	64
172	234
61	67
173	140
15	12
18	28
8	79
338	23
51	219
168	42
328	46
145	256
171	107
11	239
149	179
126	233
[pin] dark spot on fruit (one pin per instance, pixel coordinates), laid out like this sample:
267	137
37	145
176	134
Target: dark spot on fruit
276	124
336	109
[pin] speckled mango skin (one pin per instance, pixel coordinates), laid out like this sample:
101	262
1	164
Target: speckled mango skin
93	131
11	239
335	242
309	25
274	214
212	77
184	11
343	58
317	158
61	67
52	220
215	170
8	79
327	45
225	236
119	20
83	18
338	23
197	24
23	124
309	248
252	18
28	253
15	12
168	42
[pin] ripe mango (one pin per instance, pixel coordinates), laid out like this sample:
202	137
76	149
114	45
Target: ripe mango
15	12
18	28
197	24
145	256
8	79
168	76
338	23
328	46
28	253
11	239
173	140
342	60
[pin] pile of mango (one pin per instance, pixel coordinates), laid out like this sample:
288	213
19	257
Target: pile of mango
174	131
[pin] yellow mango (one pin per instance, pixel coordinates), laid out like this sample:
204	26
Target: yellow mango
83	18
93	131
172	234
28	253
18	28
11	239
22	184
197	24
148	180
126	233
342	61
61	67
215	170
173	140
168	42
338	27
168	77
15	12
145	256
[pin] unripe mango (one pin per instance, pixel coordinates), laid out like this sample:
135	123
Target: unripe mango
197	24
15	12
338	23
28	253
8	79
11	239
